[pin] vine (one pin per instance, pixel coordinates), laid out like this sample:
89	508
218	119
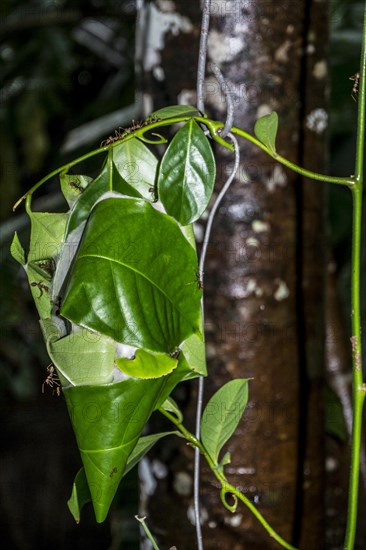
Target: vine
114	280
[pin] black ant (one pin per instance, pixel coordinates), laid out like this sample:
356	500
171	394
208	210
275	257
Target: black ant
175	354
121	133
77	186
42	287
114	471
48	265
154	196
199	280
57	304
356	79
111	139
52	380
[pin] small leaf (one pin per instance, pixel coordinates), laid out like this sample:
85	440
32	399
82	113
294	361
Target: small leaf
130	169
194	352
72	186
226	459
16	250
147	365
222	415
137	166
80	495
173	111
143	446
171	406
187	174
266	130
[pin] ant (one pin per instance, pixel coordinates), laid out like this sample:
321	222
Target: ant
111	139
121	133
52	380
356	79
57	305
77	186
48	265
114	471
42	287
175	354
154	196
198	281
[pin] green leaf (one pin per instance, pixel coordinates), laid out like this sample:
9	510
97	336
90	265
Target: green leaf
194	352
137	166
130	170
174	111
72	186
41	290
108	421
187	174
266	130
47	233
81	357
147	365
147	299
80	495
16	250
143	446
222	415
171	406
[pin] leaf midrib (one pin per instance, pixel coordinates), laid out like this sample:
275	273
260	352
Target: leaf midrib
135	271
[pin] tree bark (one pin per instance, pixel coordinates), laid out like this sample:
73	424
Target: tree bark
257	277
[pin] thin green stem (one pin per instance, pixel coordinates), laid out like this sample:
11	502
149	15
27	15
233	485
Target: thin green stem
226	487
306	173
213	126
147	532
358	387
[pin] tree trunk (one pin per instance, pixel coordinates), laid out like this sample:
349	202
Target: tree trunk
260	299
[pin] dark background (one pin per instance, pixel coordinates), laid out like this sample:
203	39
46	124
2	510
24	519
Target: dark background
65	64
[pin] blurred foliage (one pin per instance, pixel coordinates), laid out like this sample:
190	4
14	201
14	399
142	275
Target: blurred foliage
62	64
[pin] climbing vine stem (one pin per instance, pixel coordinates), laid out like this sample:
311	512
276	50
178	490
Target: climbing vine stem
214	127
358	384
226	487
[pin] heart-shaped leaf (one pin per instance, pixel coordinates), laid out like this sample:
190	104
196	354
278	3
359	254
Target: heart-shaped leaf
266	130
147	267
187	174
